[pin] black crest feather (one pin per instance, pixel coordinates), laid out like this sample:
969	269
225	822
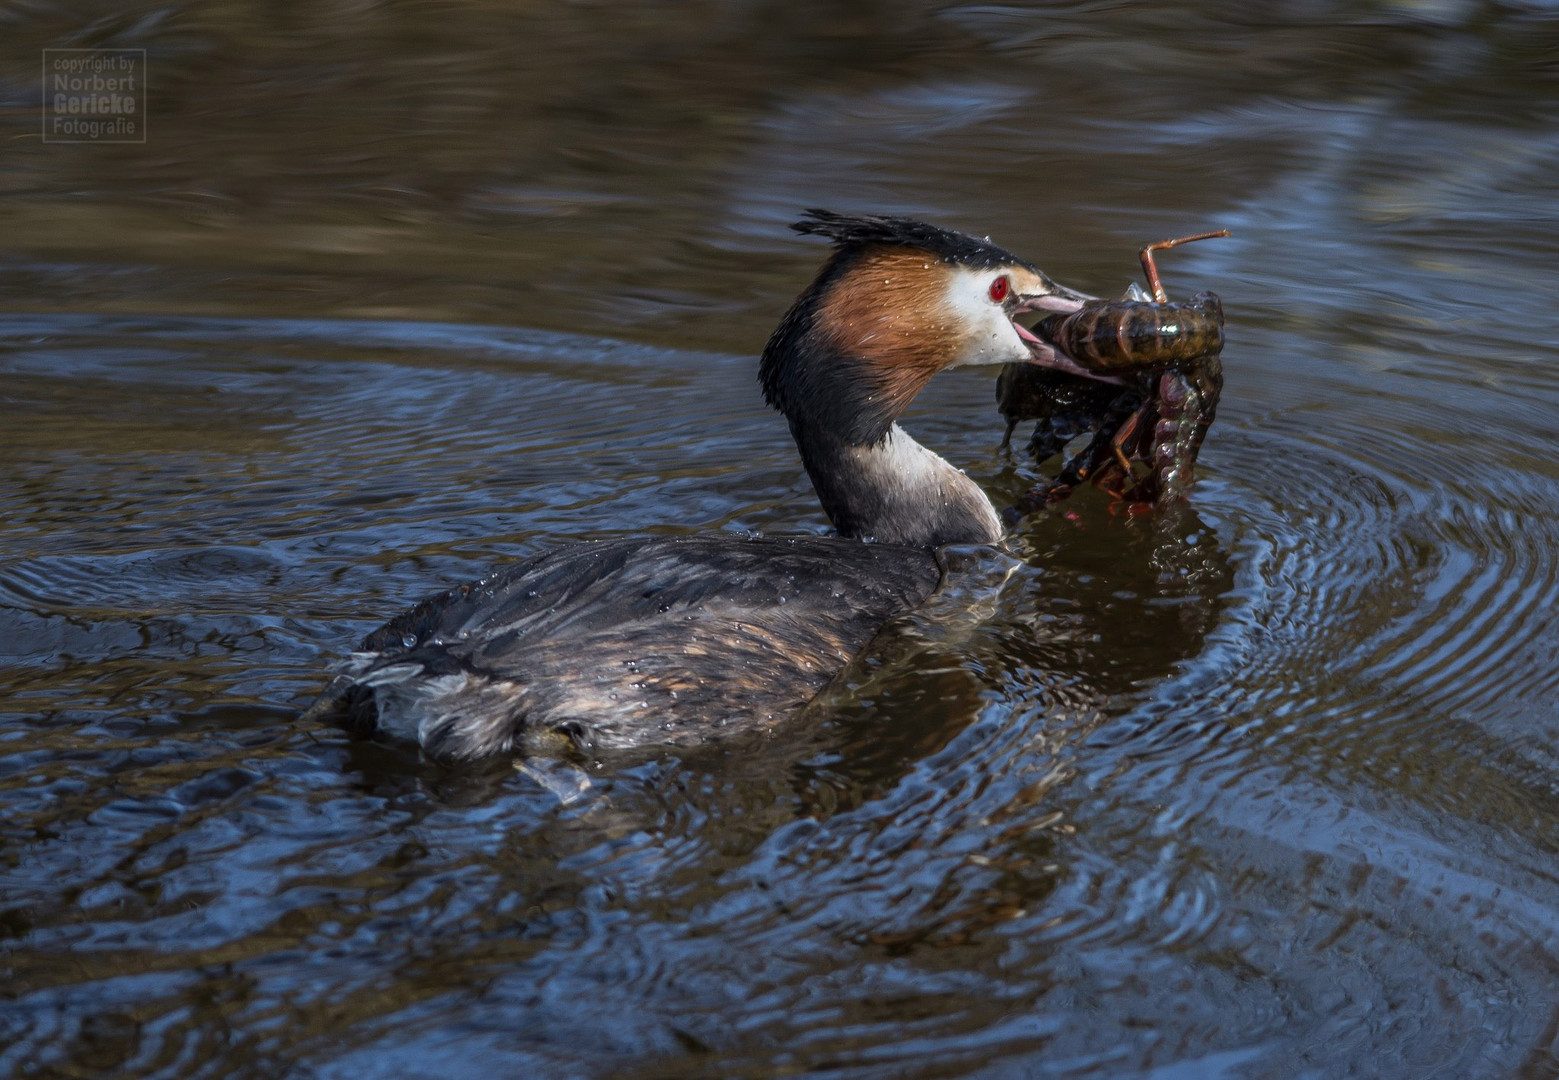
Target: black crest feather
852	230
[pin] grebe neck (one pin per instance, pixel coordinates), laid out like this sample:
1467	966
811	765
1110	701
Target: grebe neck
894	490
847	360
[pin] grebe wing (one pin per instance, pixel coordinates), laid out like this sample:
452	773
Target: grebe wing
628	642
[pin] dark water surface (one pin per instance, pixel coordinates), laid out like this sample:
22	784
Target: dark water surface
397	290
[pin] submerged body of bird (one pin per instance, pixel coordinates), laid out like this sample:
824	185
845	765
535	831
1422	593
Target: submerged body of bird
1147	391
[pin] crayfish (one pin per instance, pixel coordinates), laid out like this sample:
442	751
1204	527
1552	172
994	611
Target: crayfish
1153	392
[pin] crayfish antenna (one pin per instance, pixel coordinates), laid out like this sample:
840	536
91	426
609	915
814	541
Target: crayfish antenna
1151	270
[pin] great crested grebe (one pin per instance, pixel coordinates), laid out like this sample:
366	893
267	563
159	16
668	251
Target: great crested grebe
671	640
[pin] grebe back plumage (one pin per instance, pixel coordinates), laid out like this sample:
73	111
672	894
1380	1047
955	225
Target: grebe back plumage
649	640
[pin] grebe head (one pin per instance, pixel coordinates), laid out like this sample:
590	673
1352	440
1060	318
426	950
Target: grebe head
897	302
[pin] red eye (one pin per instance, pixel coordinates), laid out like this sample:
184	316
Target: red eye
999	289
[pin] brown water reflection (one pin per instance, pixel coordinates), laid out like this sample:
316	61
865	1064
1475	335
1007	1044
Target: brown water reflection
397	289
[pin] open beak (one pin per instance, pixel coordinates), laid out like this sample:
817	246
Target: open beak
1060	299
1052	297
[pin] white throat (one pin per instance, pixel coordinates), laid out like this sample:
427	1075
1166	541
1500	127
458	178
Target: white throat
918	496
